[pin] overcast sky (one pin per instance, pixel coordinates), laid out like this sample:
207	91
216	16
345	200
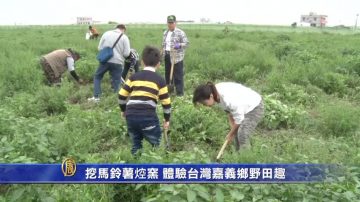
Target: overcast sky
267	12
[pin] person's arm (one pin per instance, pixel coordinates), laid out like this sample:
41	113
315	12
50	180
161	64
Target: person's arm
233	131
235	118
126	46
164	41
133	61
71	67
184	42
76	77
102	40
166	104
163	45
231	120
123	95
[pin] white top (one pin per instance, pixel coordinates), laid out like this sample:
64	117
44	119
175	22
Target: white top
149	68
237	99
122	48
168	41
70	63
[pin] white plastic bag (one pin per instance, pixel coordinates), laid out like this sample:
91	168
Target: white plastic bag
87	36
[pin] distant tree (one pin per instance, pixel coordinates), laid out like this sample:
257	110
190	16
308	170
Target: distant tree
294	24
113	22
204	20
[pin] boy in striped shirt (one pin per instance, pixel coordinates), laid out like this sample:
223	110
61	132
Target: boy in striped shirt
138	99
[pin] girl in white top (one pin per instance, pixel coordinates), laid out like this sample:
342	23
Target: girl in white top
243	105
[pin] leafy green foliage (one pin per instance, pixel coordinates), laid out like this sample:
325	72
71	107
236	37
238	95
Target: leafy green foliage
25	140
190	126
279	115
331	83
339	121
51	100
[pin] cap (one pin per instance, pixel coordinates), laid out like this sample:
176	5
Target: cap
171	18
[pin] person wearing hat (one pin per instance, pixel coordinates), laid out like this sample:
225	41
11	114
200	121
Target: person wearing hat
57	62
174	44
116	63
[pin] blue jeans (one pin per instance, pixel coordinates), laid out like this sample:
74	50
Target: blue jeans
115	71
143	127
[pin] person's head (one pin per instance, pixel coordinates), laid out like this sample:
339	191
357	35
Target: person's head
75	55
90	27
151	56
122	27
171	22
206	95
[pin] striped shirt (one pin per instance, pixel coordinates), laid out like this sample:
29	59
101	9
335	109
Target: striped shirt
141	92
177	36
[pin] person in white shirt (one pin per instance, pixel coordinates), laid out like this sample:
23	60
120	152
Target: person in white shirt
244	106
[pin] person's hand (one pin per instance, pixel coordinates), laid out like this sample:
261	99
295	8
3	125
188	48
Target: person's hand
177	46
231	120
230	136
166	125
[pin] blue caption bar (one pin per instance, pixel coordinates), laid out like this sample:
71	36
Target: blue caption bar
69	172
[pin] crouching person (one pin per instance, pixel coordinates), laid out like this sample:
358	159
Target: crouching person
138	99
94	34
132	63
244	106
57	62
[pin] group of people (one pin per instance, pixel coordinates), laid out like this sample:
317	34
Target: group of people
140	92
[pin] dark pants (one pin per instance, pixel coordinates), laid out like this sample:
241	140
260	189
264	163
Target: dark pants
127	67
178	75
94	36
143	127
115	71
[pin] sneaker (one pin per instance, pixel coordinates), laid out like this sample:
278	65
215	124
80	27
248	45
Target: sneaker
94	99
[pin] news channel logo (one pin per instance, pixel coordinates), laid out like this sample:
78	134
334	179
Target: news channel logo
68	167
